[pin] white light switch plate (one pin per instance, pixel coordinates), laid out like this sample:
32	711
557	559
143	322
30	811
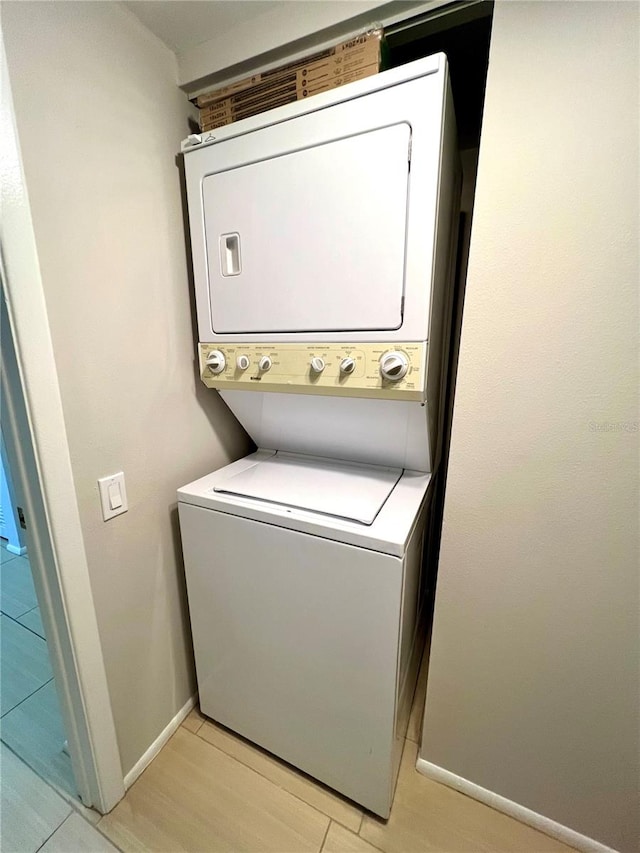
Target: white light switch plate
113	495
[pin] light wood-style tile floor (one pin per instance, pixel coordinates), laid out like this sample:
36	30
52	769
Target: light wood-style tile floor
210	790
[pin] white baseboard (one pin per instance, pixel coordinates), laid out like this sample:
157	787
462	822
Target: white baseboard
145	760
515	810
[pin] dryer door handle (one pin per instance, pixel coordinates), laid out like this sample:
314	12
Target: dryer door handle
230	259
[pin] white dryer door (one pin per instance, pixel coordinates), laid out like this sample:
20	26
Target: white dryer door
311	240
341	489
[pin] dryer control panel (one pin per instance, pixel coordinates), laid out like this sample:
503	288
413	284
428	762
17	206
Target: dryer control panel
389	371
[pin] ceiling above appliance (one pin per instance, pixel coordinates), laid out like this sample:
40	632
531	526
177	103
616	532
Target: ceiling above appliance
183	24
217	40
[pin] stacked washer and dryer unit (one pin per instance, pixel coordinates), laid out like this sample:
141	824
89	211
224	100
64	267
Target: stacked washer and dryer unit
323	238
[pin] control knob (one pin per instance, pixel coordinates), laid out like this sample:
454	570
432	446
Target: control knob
347	365
216	362
393	366
317	364
242	362
265	363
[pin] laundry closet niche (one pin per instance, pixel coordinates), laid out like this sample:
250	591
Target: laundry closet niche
345	353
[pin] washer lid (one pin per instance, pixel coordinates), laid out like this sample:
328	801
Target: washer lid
342	489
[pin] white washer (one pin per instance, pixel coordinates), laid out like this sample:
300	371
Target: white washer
302	578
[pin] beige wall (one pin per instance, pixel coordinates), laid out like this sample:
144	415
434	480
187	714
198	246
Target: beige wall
533	680
100	120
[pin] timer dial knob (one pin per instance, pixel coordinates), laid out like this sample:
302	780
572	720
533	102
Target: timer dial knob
242	362
394	366
347	365
317	364
265	363
216	362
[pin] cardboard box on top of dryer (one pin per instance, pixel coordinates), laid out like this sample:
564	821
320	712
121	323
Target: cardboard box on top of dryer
364	49
351	60
295	89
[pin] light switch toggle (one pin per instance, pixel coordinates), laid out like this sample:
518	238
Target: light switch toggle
115	498
113	495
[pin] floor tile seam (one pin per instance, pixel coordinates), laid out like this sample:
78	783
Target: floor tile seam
19	616
26	627
370	843
40	779
37	690
191	730
103	832
88	822
326	832
44	639
20	759
242	764
11	556
250	767
100	831
72	799
49	837
276	784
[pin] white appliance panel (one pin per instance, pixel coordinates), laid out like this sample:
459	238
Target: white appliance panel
413	96
312	240
389	533
296	641
374	432
340	489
